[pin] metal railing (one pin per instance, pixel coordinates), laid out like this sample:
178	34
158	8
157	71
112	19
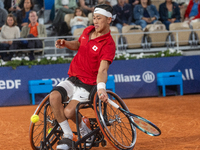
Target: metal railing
145	46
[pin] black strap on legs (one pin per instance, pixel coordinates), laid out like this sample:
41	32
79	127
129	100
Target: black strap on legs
62	91
79	83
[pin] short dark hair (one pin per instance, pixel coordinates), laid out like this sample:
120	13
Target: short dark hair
106	7
148	3
14	18
33	11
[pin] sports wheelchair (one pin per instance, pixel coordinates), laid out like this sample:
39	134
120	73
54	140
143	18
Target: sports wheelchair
110	124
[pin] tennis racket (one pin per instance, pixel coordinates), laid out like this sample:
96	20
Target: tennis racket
139	122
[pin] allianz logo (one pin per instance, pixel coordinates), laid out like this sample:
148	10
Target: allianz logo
147	77
150	77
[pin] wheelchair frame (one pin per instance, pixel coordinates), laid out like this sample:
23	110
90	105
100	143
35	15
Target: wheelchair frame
98	129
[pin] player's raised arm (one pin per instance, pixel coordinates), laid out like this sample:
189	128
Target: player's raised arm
73	45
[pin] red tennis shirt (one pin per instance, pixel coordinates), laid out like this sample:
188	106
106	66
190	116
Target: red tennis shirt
86	63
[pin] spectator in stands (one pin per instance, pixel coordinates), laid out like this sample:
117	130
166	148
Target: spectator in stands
64	7
192	13
169	13
145	13
23	15
79	20
1	4
12	6
183	6
124	14
182	2
132	2
112	2
87	5
41	5
9	31
32	30
103	2
3	16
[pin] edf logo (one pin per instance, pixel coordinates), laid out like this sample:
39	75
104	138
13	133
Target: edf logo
148	76
9	84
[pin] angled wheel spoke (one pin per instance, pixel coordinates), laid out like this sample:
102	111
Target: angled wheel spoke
115	125
37	130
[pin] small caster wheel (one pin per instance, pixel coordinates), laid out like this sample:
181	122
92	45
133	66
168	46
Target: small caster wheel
103	143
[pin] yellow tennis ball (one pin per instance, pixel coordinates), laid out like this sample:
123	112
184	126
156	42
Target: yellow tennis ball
49	130
35	118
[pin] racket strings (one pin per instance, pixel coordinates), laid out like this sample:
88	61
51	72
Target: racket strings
146	126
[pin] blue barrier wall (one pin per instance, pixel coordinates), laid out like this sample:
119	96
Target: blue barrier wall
133	78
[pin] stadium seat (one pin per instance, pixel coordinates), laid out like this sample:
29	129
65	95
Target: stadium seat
182	12
90	17
157	3
67	19
78	32
114	30
157	38
196	26
183	36
133	40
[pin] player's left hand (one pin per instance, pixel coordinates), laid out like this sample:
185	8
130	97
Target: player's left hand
103	95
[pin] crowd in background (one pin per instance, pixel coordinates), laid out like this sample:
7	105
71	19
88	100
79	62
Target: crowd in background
19	20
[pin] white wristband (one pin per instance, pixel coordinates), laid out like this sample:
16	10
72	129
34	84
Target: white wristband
101	85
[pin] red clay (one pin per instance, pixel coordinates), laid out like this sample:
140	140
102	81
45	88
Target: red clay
178	117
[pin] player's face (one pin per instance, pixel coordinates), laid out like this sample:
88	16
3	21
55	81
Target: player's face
101	22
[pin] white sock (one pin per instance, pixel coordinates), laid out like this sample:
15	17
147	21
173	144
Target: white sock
66	129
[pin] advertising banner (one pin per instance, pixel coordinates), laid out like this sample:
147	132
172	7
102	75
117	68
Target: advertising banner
133	78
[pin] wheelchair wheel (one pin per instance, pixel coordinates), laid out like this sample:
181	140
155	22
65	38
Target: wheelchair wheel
115	126
39	137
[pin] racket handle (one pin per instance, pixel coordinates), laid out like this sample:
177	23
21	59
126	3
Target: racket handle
113	103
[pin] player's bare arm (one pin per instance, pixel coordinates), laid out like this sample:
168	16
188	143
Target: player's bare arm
102	79
73	45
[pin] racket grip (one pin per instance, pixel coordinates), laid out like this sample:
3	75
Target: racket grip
113	103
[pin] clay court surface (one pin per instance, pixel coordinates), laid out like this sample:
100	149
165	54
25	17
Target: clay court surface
178	117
